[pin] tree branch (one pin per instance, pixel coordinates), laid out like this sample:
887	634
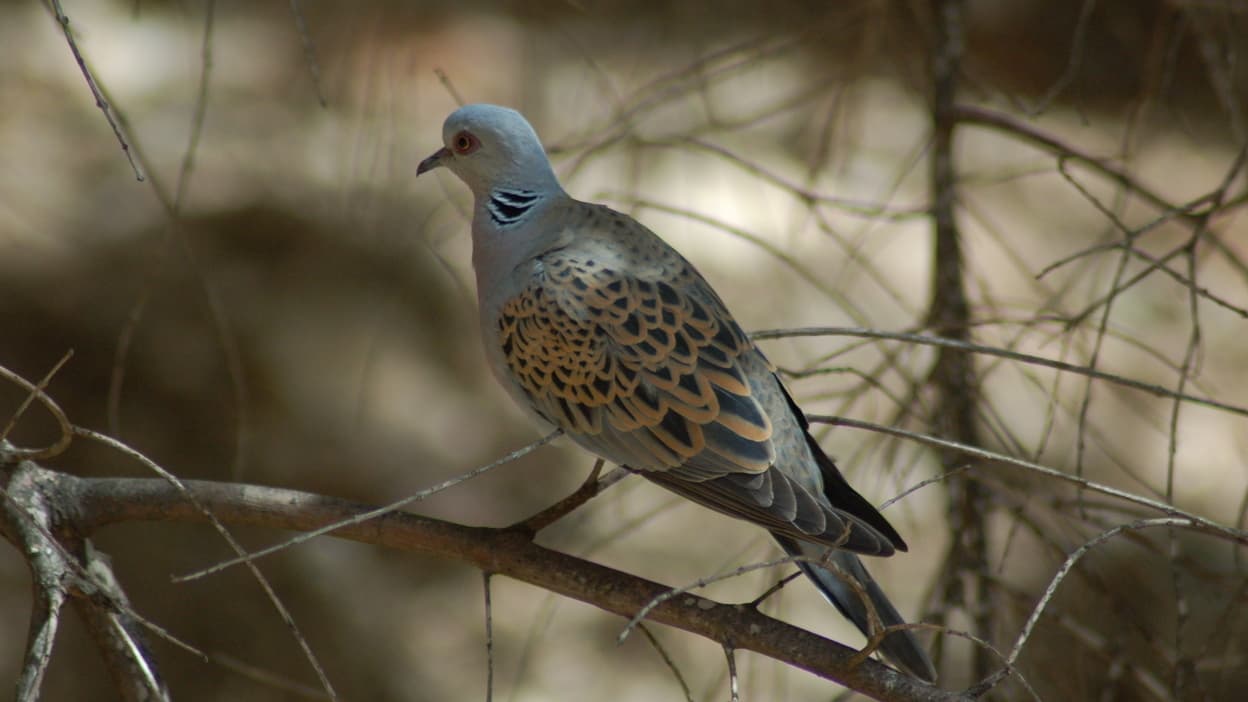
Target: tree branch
964	584
84	505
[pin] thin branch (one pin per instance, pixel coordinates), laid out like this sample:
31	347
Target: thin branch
734	683
63	20
268	678
1149	388
1238	536
309	51
667	660
983	117
372	514
591	488
177	484
445	80
700	583
1073	62
10	453
489	635
1069	564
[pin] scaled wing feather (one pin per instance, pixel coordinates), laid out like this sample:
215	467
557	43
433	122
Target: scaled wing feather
604	353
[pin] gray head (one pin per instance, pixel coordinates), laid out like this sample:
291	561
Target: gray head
490	147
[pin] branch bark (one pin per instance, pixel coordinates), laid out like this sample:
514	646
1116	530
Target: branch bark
965	583
83	505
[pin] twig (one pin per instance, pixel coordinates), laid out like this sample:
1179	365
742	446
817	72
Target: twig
1150	388
267	678
1073	62
63	20
309	51
1069	564
591	488
667	661
983	117
734	684
270	593
489	636
445	80
372	514
12	454
1238	536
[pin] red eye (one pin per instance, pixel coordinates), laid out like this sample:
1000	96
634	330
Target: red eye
465	143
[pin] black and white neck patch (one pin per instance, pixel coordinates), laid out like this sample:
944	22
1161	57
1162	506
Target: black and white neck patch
507	207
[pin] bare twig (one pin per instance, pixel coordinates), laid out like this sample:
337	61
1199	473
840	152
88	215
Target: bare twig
309	51
489	636
667	660
109	113
268	678
588	490
1150	388
445	80
734	684
373	514
1238	536
1074	558
259	577
12	454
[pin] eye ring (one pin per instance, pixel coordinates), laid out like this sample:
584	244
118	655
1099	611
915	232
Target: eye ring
465	143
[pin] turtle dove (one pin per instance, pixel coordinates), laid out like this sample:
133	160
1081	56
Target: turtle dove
598	327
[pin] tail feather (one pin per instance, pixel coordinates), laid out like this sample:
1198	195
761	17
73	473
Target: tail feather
902	648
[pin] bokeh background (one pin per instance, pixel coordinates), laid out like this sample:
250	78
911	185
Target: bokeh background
280	301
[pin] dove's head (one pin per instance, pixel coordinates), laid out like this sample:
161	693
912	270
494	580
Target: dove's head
490	147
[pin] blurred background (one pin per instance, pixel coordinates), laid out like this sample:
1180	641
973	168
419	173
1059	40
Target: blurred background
280	301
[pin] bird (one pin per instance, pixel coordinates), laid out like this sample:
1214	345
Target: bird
595	325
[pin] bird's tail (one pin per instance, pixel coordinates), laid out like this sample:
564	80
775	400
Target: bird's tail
902	648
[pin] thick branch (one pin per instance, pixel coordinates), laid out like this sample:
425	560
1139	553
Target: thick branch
64	567
89	504
949	316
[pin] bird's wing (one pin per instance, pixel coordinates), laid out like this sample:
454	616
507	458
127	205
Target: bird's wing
636	358
602	351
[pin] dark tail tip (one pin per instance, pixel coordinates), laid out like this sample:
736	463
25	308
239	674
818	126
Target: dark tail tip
901	648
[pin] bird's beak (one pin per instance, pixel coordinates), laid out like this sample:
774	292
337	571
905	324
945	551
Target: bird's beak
433	161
